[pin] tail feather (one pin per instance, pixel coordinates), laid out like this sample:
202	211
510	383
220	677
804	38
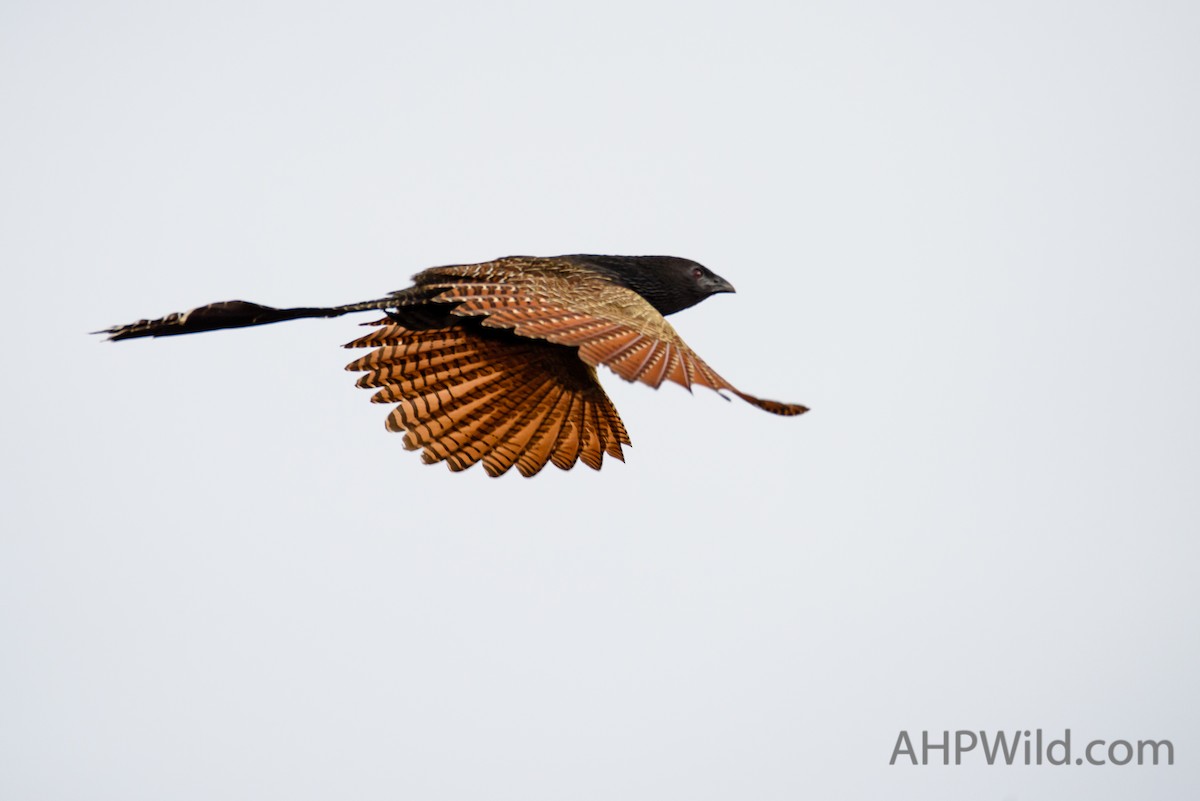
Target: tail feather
232	314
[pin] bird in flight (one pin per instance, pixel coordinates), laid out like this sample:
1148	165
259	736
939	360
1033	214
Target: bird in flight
496	362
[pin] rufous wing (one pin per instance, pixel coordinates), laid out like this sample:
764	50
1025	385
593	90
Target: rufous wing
610	325
464	398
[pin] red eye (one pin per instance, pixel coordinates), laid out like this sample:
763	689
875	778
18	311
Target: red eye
697	272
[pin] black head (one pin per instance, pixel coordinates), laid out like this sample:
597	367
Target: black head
669	283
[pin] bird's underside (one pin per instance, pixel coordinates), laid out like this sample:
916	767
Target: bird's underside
495	362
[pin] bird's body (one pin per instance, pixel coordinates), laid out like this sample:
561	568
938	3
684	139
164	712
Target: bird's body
495	362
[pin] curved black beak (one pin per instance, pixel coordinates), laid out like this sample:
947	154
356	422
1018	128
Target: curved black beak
715	284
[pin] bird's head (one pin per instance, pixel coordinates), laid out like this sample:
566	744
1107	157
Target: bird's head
703	280
669	283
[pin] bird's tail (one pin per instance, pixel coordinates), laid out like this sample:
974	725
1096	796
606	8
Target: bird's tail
233	314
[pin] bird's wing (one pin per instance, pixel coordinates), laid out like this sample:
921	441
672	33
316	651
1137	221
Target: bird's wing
465	395
566	304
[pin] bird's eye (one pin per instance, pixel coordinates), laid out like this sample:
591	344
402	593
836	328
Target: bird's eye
697	272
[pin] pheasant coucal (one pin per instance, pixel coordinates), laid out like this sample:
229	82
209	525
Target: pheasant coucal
495	362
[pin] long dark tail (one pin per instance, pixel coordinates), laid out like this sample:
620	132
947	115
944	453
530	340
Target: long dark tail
232	314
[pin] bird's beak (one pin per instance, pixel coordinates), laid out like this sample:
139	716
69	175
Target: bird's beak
717	284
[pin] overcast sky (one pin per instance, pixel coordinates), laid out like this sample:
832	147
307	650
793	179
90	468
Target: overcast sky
966	234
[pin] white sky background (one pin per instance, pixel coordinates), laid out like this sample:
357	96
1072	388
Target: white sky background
968	235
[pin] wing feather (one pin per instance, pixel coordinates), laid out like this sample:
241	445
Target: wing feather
464	395
569	442
521	427
486	432
536	454
561	303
